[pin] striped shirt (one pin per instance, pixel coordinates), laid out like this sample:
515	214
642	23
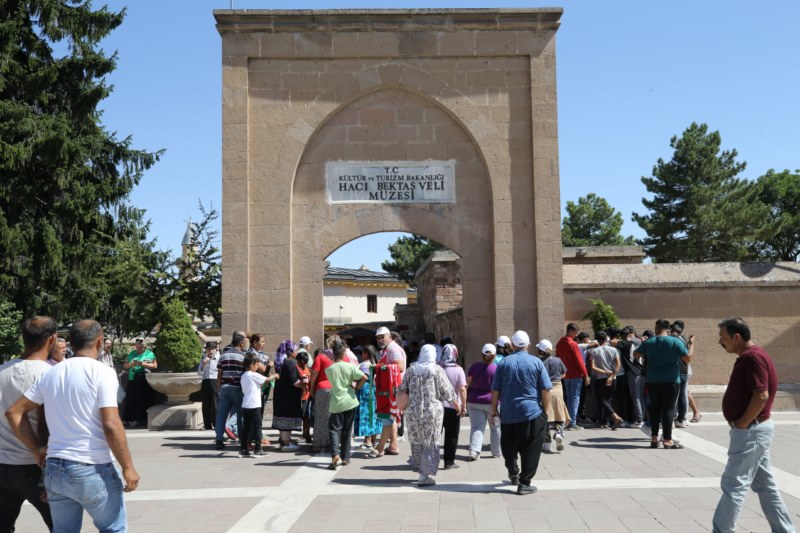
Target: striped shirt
231	365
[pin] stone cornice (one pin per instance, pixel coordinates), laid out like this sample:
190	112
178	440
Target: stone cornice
386	20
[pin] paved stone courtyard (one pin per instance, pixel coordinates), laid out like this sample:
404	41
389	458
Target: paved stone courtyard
604	481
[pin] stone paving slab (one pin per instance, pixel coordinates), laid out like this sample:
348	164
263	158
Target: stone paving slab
604	481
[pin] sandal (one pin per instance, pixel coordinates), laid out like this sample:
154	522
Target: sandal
374	454
674	446
390	451
695	419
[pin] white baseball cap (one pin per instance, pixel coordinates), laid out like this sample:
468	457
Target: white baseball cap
545	345
305	341
502	340
383	330
520	339
489	349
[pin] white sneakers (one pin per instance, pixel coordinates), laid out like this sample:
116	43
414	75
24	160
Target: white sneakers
474	456
559	442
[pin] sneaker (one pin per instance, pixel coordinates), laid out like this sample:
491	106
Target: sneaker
259	452
219	445
523	490
244	454
514	479
546	448
427	482
574	427
474	456
637	424
559	442
680	424
451	466
290	447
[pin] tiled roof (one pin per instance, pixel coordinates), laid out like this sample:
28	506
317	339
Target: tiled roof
350	274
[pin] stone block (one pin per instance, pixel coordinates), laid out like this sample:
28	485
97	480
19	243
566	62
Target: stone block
345	44
167	416
493	43
461	43
378	44
314	45
279	45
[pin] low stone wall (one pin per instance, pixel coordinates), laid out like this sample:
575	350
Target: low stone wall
767	296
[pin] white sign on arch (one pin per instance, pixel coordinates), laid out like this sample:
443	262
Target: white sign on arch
405	182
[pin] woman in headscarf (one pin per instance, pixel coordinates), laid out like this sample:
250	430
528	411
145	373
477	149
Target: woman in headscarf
287	405
453	411
426	386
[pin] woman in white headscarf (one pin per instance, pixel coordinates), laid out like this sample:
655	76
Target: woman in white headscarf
426	386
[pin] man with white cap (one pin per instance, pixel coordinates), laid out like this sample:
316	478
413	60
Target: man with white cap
305	345
522	385
389	372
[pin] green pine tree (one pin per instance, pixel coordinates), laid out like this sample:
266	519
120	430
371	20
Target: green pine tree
593	222
408	254
700	210
64	179
779	193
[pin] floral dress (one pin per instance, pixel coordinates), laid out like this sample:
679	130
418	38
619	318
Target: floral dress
427	388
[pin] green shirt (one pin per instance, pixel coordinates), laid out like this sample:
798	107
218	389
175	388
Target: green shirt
146	355
342	375
663	354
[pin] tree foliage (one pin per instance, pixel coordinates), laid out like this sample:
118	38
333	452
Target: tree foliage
779	194
10	339
602	316
177	347
408	254
593	222
199	280
64	179
700	209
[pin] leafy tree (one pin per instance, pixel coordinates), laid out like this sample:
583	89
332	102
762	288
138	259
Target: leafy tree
408	254
602	316
64	179
199	280
10	338
177	347
593	222
779	193
700	210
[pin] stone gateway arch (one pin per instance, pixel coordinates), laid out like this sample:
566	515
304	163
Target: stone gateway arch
338	124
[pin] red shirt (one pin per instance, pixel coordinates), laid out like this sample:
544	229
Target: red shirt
321	362
569	353
752	371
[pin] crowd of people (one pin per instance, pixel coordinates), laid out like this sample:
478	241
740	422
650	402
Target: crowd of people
528	395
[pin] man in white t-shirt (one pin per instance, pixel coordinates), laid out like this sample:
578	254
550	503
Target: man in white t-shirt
80	399
19	470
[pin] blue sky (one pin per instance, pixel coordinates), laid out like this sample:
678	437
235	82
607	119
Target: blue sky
630	76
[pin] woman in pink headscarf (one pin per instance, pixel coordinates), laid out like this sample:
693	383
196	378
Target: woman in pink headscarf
455	410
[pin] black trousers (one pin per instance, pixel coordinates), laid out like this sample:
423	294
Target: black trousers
523	439
452	425
602	394
209	396
138	399
340	427
250	428
17	484
662	407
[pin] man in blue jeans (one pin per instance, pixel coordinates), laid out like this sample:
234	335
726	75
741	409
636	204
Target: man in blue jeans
747	405
230	368
80	399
